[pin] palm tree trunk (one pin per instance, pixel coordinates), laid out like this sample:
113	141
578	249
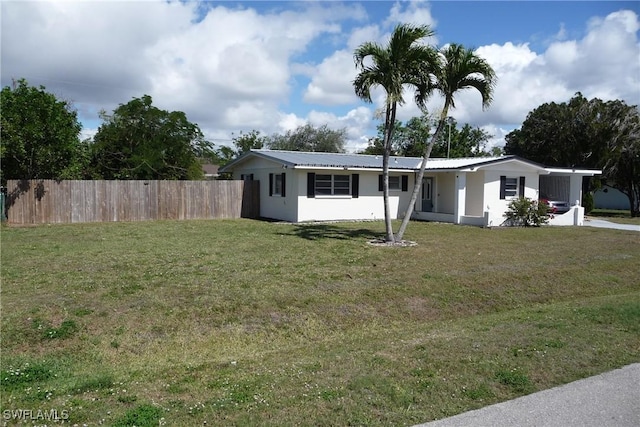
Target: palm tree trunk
390	118
423	166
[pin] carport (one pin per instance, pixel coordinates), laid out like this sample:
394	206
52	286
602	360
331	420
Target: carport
566	185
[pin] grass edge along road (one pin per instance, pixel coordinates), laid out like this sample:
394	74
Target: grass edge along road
253	323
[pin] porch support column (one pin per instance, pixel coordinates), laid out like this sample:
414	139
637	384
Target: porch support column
575	190
459	208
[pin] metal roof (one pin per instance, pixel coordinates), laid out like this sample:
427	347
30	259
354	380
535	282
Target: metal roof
303	160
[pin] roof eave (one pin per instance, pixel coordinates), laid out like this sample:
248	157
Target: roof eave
585	172
253	153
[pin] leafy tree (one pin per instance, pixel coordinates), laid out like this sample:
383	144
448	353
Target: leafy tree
402	62
242	143
414	135
556	134
622	164
310	138
410	140
374	148
249	141
140	141
40	135
585	133
223	155
459	69
496	151
376	144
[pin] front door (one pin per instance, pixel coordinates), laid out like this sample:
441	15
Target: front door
427	194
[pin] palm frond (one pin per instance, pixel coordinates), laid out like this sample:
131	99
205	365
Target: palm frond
463	69
402	62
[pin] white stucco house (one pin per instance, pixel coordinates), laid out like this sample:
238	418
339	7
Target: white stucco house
303	186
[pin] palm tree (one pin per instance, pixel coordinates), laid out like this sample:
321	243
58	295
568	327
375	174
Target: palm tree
460	69
404	61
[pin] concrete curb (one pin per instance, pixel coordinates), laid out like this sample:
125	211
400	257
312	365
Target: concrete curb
609	399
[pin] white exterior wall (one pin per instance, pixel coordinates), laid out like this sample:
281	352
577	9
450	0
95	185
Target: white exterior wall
445	192
493	204
575	216
475	194
460	197
277	207
575	192
368	205
297	207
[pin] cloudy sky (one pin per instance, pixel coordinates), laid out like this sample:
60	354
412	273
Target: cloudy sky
234	66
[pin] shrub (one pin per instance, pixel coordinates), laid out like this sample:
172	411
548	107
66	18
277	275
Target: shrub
524	212
587	202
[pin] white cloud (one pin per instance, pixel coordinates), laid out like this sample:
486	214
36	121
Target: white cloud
230	68
606	60
362	35
355	122
234	69
497	135
604	64
332	82
412	12
290	121
86	47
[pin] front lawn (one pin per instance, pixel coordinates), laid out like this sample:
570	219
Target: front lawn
244	322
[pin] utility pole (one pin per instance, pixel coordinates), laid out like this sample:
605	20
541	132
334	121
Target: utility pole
449	121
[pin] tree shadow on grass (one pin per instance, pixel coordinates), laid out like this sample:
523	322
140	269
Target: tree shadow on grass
329	231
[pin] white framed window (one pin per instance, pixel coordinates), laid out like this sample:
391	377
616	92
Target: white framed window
332	185
394	183
327	185
511	187
277	184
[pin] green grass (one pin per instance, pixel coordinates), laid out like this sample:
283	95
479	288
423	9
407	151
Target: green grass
617	216
252	323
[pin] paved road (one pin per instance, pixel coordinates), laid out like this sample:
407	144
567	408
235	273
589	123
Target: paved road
607	224
611	399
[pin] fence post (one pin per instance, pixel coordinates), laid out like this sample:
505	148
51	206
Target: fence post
3	198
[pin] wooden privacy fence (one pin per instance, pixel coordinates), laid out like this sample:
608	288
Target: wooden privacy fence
49	201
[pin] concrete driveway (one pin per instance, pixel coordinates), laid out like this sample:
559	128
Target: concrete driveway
600	223
609	399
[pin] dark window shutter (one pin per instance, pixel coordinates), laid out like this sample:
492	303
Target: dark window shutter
284	185
405	182
521	190
503	184
311	185
270	184
250	177
355	185
379	182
